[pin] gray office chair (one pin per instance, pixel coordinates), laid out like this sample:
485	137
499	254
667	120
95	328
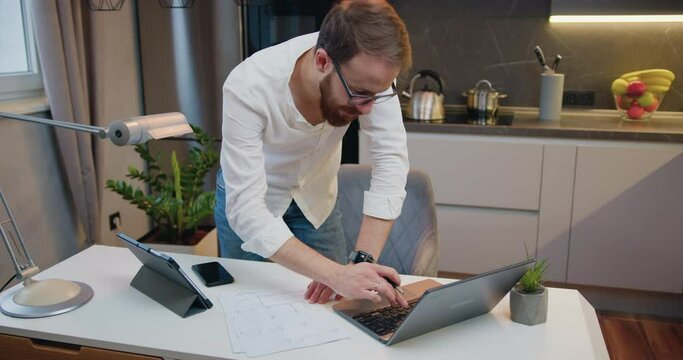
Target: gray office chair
413	244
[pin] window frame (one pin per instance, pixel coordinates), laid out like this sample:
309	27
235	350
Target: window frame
29	83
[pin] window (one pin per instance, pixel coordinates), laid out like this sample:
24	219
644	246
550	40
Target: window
19	69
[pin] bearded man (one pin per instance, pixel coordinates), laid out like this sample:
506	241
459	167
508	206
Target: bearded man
285	111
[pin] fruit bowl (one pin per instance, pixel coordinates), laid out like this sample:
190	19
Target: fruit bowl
638	94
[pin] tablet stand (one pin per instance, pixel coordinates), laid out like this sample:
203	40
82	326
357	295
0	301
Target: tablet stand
166	292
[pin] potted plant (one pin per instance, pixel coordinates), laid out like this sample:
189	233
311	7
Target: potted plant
529	299
177	202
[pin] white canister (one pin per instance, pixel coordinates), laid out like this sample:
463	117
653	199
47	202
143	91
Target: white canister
552	87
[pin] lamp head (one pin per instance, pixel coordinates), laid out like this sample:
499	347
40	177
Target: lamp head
138	130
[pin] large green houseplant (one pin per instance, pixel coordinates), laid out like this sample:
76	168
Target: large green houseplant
177	201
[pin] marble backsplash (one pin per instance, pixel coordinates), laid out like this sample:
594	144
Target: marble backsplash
468	40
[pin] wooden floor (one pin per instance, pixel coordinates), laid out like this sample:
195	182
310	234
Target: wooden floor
641	338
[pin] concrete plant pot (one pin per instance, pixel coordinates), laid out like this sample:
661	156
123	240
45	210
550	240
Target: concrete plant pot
207	246
529	309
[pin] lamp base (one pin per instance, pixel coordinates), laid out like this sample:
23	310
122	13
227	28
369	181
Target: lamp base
41	298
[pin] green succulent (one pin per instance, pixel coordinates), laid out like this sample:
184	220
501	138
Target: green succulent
533	277
177	201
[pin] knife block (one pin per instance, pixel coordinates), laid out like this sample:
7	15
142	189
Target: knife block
552	88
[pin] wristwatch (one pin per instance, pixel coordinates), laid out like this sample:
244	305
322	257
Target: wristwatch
360	256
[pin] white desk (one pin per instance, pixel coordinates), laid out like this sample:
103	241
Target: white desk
123	319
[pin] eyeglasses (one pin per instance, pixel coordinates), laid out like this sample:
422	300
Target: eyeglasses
358	99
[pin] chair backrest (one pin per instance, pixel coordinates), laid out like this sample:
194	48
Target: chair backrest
413	244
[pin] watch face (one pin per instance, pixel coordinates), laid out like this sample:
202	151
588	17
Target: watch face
360	256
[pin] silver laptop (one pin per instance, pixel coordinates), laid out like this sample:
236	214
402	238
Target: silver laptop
432	305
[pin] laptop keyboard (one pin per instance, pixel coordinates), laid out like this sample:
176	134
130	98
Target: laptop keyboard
385	320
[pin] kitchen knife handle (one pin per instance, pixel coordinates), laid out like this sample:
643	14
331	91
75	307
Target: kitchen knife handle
539	56
556	63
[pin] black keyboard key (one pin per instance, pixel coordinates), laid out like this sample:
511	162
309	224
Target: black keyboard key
386	320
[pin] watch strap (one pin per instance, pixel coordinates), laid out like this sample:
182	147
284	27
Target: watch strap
360	256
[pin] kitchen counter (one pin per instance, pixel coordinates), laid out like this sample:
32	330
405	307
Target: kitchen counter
575	124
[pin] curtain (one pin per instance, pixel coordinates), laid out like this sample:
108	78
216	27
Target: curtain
59	30
186	56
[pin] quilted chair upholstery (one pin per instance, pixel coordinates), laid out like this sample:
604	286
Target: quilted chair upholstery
413	244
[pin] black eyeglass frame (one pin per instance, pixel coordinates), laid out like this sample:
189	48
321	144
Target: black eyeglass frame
358	99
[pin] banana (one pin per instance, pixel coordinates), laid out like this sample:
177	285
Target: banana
650	80
655	81
658	89
659	72
650	72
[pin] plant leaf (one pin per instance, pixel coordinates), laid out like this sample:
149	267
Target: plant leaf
177	200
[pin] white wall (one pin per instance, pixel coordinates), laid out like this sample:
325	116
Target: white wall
116	94
32	182
30	173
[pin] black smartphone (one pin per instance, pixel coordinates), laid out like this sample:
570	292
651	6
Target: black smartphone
212	273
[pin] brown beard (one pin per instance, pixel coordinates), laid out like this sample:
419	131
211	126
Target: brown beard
337	116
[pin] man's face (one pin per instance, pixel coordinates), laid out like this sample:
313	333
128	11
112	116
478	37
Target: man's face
365	75
336	111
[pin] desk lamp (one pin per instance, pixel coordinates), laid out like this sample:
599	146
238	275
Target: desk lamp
41	298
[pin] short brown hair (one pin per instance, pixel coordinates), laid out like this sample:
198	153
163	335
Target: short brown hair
369	26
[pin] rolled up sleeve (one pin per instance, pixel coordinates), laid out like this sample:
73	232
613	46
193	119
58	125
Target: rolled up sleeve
243	165
389	154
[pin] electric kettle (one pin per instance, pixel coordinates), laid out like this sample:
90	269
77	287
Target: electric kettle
425	104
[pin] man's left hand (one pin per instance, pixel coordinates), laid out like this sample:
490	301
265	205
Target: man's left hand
320	293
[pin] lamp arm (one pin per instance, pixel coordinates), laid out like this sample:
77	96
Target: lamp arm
24	271
64	296
99	131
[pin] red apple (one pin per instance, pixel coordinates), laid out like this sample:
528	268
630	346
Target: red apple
635	112
636	88
624	102
652	107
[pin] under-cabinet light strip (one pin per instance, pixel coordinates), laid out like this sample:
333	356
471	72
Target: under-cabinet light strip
614	18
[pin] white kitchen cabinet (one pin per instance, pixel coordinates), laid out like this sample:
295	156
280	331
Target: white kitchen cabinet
476	171
487	191
476	240
627	218
603	213
557	193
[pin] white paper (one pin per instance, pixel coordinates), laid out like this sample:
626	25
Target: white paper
262	322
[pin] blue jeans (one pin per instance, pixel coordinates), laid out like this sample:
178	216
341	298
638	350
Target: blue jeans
328	239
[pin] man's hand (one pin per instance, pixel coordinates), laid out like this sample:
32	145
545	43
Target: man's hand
353	281
360	281
320	293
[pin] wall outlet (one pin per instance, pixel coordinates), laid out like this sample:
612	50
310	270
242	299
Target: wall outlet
114	221
578	98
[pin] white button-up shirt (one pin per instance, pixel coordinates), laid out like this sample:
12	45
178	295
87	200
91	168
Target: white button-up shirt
270	154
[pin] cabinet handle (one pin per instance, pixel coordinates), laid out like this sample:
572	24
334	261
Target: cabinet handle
55	346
